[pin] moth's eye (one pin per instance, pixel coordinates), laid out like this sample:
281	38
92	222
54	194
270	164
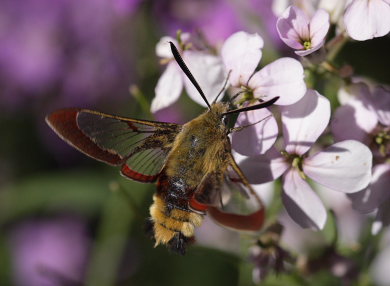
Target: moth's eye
225	120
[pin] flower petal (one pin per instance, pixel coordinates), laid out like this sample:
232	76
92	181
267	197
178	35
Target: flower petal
382	218
258	138
163	48
380	267
302	203
208	71
264	168
241	54
345	127
367	19
376	193
354	120
265	192
168	88
283	78
381	101
344	166
304	122
291	26
349	222
319	26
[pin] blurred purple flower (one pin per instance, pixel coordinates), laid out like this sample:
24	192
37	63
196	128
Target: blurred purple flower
61	47
126	6
47	252
216	19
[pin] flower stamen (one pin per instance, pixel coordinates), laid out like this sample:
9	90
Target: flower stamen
307	45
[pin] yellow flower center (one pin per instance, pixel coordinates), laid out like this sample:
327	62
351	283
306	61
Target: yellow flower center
307	45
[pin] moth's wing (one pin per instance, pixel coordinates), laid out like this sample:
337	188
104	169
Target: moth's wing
209	192
139	146
241	194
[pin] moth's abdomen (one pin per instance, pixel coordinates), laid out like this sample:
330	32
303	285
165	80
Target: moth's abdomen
172	226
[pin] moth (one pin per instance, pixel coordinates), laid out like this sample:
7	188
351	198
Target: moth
191	163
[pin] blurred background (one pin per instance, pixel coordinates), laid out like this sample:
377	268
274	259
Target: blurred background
64	218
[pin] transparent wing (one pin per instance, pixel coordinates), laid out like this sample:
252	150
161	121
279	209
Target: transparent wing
139	146
237	212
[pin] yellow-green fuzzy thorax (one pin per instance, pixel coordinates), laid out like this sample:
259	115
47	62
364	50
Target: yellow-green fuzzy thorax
200	147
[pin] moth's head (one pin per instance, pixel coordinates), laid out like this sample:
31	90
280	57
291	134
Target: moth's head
219	108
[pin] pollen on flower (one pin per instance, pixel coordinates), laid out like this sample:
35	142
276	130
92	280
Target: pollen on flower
307	45
297	162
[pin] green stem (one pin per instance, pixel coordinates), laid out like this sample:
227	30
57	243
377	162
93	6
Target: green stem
110	244
334	46
141	99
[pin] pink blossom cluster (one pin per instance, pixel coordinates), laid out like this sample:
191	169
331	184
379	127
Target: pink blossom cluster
303	140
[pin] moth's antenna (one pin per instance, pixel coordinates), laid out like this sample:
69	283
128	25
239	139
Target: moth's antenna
253	107
223	87
187	72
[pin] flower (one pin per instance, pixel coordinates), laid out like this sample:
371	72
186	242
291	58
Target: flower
241	53
365	117
260	135
375	196
46	252
367	19
207	70
381	263
344	166
301	33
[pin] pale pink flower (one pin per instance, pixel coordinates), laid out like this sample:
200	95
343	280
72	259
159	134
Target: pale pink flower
207	69
259	137
344	166
381	263
375	197
365	117
354	120
376	193
284	77
349	221
367	19
301	33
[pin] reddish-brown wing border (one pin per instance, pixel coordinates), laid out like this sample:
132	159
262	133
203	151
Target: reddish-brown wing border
65	125
250	222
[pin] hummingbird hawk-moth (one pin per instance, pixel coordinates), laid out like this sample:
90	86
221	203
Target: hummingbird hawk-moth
191	163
